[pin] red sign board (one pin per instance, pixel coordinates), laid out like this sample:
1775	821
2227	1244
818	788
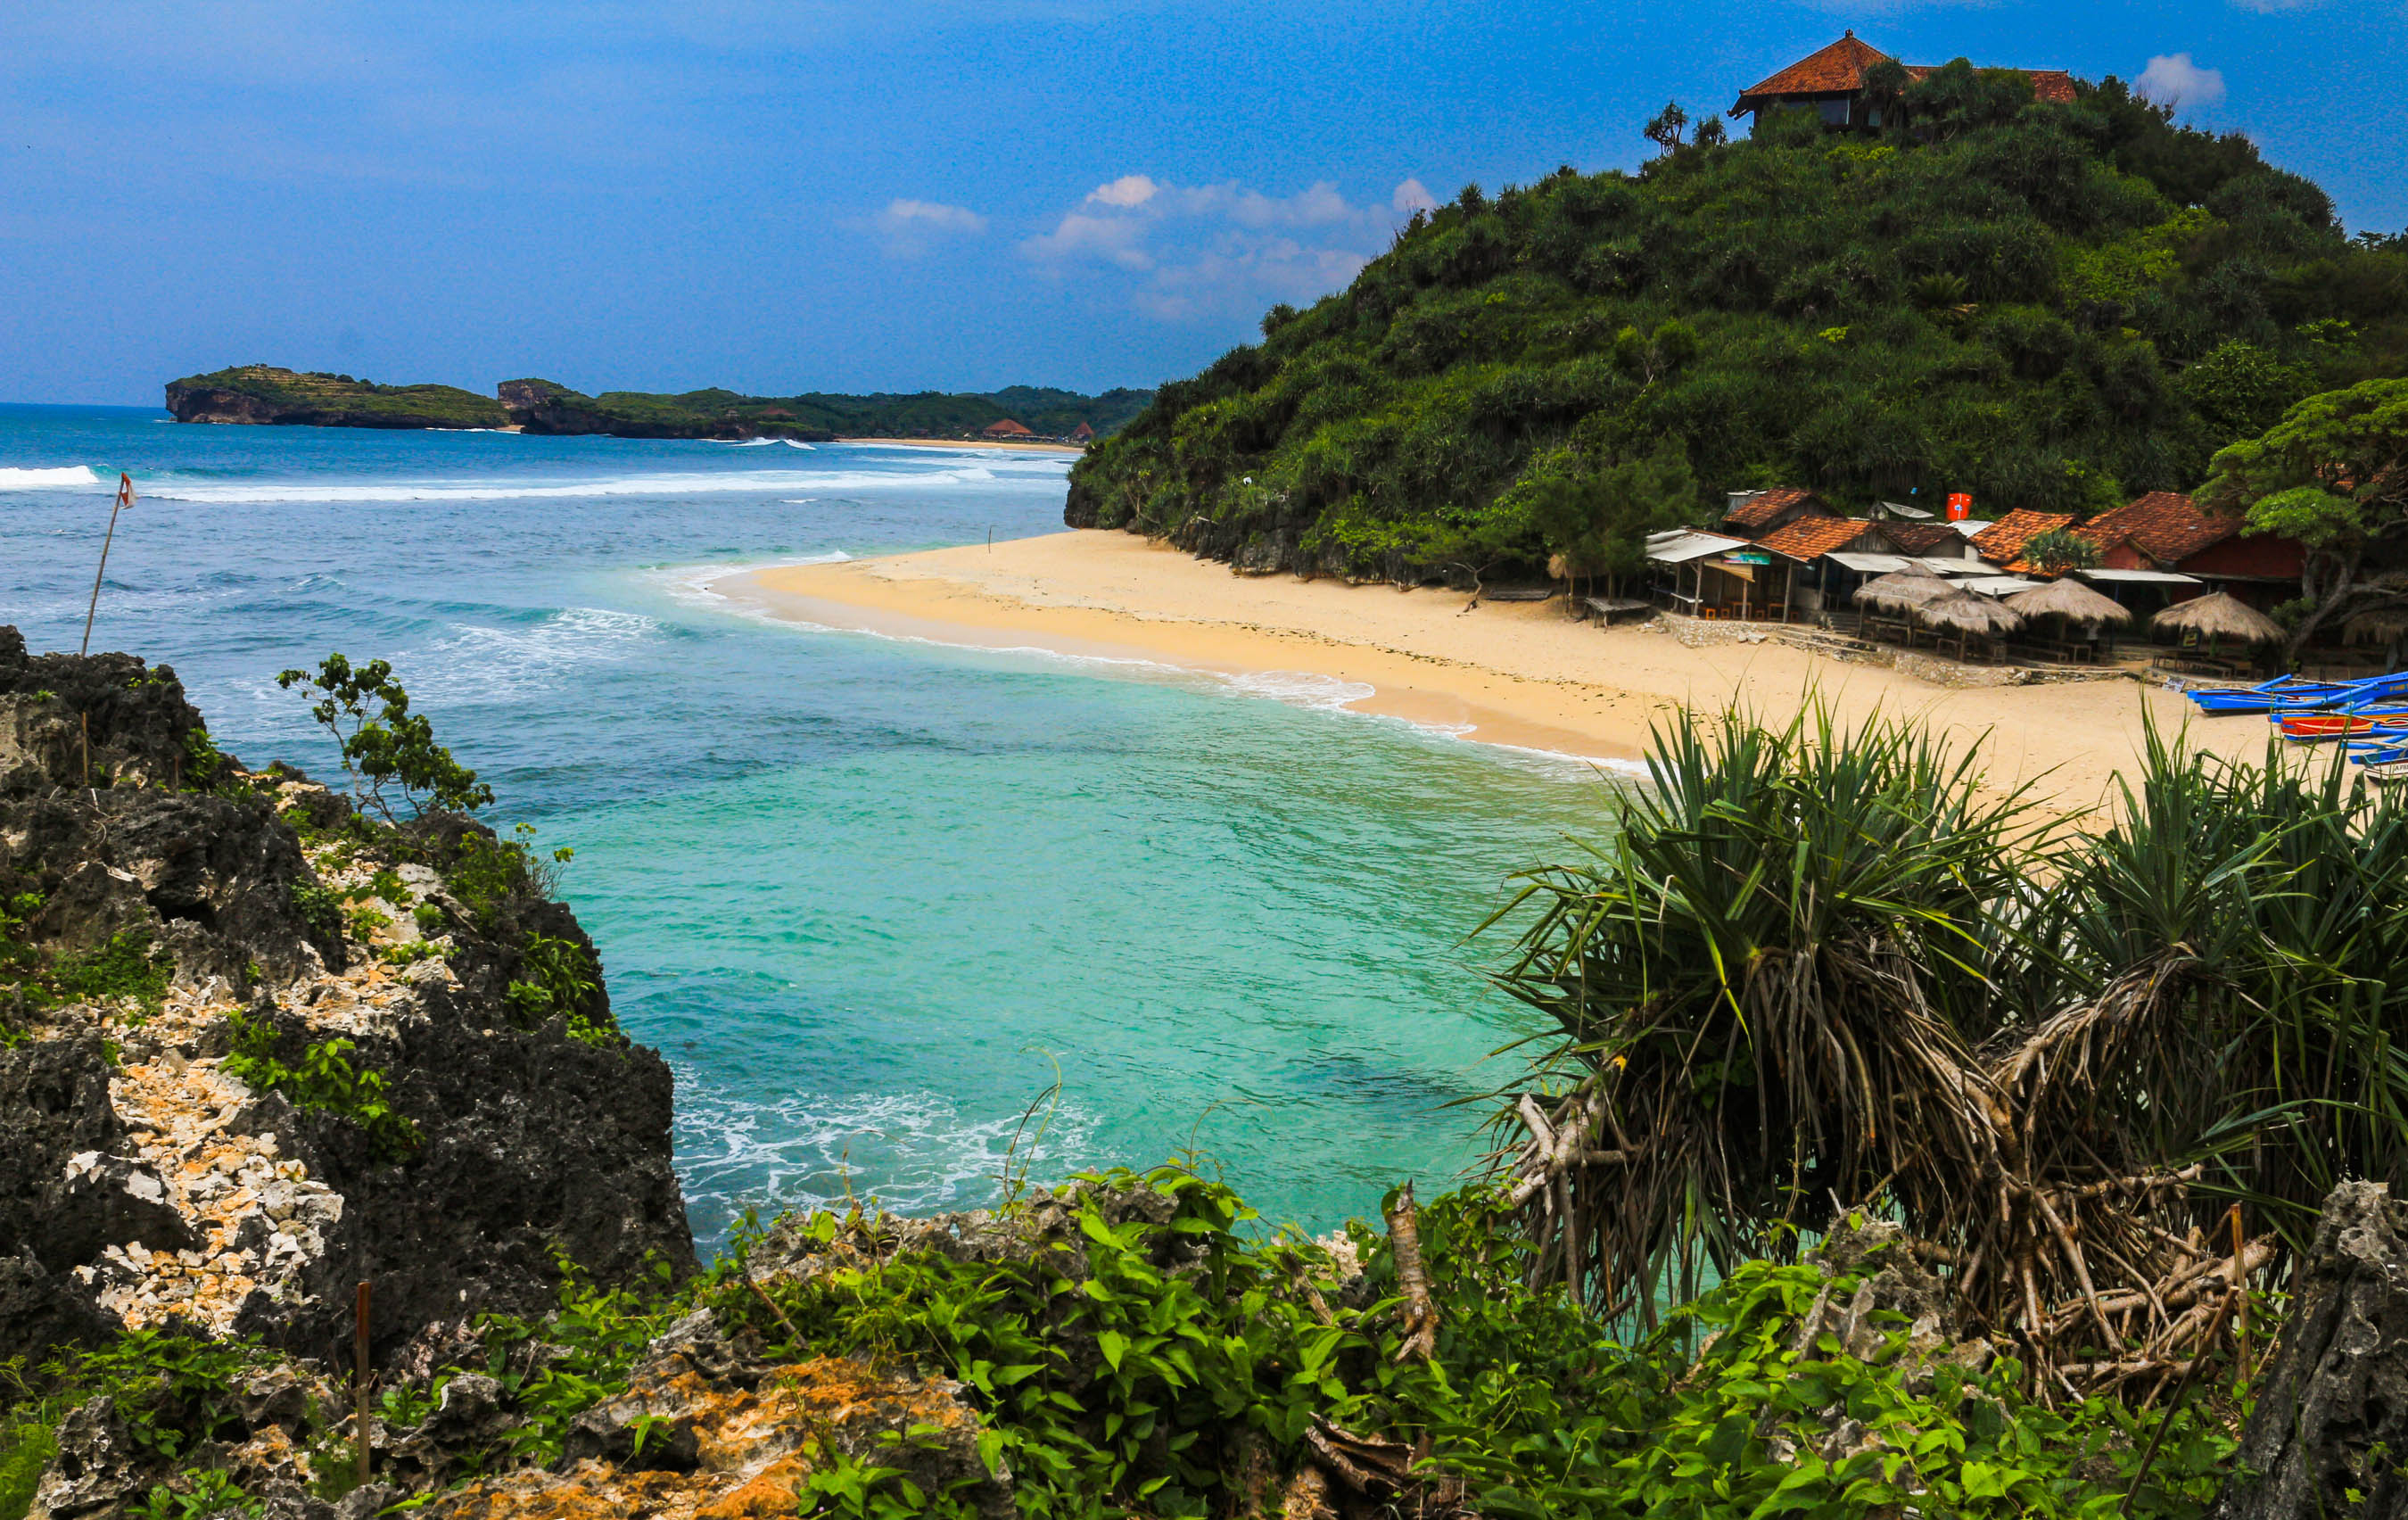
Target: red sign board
1960	506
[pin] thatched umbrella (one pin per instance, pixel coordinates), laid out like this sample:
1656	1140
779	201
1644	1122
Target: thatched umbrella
1963	613
2219	615
2384	625
2070	600
1901	590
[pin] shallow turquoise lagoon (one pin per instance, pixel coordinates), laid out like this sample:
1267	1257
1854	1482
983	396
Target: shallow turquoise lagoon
868	896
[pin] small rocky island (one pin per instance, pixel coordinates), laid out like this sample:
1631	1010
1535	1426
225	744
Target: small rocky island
266	396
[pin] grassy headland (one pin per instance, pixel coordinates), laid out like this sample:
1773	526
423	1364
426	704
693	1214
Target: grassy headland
263	393
2049	306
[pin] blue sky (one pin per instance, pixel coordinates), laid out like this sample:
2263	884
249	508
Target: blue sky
824	194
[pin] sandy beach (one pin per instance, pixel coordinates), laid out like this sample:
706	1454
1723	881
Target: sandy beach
1516	674
1072	449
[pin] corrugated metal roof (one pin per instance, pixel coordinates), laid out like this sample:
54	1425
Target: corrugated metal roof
1870	564
1679	548
2142	578
1998	585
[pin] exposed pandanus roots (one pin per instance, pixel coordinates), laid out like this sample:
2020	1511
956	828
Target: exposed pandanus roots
2017	1174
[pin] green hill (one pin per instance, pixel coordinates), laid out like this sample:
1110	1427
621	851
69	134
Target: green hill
547	406
262	393
2049	306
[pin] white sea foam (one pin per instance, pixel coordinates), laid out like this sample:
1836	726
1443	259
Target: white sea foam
1302	688
61	477
763	443
667	483
808	1152
486	662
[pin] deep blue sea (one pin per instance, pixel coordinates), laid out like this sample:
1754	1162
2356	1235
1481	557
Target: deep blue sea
866	896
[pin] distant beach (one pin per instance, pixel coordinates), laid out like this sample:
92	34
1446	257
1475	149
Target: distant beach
1505	673
971	443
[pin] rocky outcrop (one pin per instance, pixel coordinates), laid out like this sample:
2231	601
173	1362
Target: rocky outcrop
547	406
266	395
158	904
2331	1418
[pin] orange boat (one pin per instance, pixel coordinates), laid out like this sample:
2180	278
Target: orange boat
2313	727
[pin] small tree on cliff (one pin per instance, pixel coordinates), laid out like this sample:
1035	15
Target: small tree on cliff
2333	474
392	744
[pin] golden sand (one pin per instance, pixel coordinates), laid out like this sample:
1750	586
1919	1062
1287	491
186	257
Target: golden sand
1512	674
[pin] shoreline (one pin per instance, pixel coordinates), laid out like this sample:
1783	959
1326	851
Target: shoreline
1070	449
1512	674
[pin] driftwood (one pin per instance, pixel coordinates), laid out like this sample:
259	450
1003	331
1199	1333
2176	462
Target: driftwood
2331	1425
1412	1278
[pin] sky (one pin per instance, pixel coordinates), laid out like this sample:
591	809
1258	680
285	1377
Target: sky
789	196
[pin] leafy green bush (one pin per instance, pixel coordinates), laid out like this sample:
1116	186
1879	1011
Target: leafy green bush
559	978
320	909
325	1080
390	744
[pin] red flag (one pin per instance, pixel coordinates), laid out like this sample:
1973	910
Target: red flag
124	491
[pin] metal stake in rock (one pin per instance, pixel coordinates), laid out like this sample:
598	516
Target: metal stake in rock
360	1379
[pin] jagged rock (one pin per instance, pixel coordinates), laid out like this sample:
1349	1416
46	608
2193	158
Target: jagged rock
98	1468
40	1309
2331	1415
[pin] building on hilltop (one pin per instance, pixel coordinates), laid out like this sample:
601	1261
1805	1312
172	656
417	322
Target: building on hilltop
1831	82
1005	428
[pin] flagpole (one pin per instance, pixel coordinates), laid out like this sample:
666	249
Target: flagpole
125	499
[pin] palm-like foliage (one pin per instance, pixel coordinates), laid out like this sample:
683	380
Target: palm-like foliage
1818	969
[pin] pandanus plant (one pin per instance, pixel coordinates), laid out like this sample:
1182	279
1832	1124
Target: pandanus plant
1818	969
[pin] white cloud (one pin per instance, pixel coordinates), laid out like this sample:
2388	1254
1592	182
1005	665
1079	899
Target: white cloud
909	228
1221	249
2175	80
1128	190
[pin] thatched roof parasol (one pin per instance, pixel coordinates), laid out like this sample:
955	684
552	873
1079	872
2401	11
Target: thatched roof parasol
1901	590
2380	626
2071	600
1962	611
2220	615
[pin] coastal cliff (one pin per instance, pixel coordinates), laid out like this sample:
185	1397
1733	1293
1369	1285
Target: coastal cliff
256	1053
265	395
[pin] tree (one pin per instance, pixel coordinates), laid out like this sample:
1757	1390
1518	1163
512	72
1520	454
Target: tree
1884	91
1711	133
2060	549
394	744
2333	474
1598	522
1666	129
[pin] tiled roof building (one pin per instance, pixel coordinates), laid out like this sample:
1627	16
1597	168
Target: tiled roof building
1768	509
1832	82
2002	542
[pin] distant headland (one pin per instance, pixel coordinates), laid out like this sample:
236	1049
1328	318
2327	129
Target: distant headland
263	394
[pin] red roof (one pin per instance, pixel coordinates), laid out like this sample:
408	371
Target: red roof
2002	542
1007	429
1921	537
2164	524
1840	70
1812	537
1765	506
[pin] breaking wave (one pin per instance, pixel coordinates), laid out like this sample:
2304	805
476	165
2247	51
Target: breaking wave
14	477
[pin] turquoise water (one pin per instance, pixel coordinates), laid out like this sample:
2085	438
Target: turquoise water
866	896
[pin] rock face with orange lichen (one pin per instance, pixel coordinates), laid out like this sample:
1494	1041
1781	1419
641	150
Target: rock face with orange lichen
157	900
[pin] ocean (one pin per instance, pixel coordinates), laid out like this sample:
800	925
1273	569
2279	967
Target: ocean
872	898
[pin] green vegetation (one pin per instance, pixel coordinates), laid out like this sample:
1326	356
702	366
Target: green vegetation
2333	474
32	979
263	392
394	745
325	1080
548	407
2047	306
1816	970
559	979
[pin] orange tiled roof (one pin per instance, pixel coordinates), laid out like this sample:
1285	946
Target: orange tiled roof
1921	537
1839	69
1811	537
2164	524
1768	505
1007	428
2002	542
